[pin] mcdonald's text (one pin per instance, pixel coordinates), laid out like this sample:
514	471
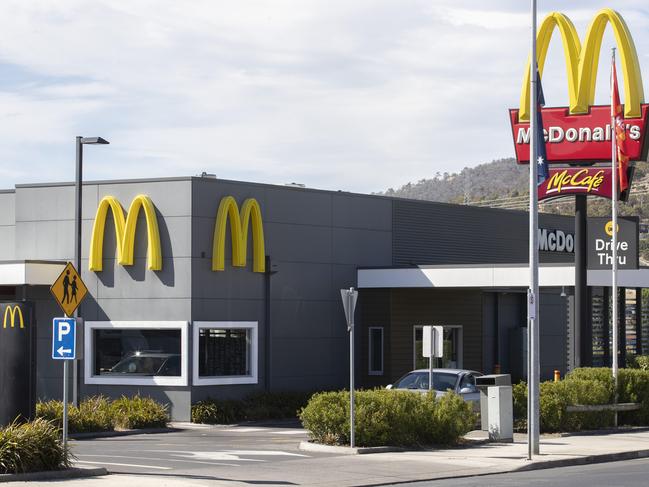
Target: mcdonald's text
579	138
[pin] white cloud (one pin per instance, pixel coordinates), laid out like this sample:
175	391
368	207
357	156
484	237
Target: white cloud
359	95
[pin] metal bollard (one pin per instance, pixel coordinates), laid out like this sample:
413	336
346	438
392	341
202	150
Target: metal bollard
557	376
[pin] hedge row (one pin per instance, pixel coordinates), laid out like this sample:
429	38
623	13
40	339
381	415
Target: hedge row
388	417
278	405
31	447
586	386
97	413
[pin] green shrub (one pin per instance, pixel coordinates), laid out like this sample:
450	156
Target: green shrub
276	405
638	362
211	411
633	386
599	374
384	417
138	412
554	399
97	413
31	447
93	414
326	416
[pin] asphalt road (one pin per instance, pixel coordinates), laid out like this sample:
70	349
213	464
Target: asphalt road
195	450
631	473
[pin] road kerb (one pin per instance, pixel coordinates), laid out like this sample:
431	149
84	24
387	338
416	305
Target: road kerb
345	450
68	473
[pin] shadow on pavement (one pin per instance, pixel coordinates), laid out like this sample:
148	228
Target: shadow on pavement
205	477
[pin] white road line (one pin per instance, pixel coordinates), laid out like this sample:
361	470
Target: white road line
243	430
125	465
157	459
291	432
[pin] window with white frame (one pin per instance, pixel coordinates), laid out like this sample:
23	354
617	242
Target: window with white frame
375	350
136	352
225	352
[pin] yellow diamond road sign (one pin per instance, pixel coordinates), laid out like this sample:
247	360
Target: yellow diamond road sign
69	290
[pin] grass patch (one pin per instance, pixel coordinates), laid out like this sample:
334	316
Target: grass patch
32	447
98	413
276	405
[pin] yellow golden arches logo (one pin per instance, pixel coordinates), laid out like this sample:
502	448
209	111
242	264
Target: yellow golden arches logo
10	315
582	61
239	223
125	232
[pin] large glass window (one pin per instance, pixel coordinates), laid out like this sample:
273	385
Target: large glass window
376	350
225	352
142	353
137	352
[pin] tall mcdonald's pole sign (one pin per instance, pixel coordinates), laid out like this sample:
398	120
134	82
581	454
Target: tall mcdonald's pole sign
579	135
577	138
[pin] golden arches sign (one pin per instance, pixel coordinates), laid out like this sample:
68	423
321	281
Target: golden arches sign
582	61
239	223
10	315
125	232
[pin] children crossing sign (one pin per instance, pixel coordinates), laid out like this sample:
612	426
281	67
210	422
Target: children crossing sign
69	290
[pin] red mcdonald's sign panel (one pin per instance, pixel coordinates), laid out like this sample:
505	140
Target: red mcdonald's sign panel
579	138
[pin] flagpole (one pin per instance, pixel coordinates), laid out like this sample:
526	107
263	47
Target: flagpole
533	291
614	236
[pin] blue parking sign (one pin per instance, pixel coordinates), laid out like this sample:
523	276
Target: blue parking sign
64	334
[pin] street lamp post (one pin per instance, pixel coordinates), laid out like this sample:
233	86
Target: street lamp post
81	141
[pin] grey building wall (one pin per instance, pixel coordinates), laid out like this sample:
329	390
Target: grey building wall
7	224
315	241
44	228
428	233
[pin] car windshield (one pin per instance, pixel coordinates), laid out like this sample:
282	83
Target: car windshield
139	365
419	380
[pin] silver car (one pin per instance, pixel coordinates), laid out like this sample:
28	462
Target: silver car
459	381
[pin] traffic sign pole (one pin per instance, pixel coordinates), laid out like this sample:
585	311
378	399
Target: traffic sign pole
65	405
349	297
64	334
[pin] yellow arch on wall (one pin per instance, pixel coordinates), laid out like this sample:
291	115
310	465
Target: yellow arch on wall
582	63
125	232
10	316
239	223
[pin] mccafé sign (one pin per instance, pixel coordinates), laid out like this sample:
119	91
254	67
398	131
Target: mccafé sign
595	181
125	230
581	132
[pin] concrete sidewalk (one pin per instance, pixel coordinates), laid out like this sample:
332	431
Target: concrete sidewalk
387	468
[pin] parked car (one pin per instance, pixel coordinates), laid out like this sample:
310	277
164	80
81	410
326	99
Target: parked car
459	381
147	364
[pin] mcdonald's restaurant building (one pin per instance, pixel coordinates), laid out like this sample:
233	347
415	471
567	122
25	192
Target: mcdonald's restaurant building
201	287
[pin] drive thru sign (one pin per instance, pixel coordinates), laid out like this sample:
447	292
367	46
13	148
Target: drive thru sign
64	331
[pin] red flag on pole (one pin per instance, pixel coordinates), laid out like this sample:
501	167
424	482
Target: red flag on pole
617	113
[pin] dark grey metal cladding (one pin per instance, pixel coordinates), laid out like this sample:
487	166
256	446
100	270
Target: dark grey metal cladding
438	233
315	240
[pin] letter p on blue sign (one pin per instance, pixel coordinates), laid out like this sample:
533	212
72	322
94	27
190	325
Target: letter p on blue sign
64	332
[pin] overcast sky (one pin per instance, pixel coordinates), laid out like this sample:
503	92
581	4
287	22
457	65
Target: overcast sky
358	95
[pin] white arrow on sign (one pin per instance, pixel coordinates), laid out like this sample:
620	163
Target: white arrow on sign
62	350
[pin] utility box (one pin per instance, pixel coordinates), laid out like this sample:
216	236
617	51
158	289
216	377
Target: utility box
500	413
483	383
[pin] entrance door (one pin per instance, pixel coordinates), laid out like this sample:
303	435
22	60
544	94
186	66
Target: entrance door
452	349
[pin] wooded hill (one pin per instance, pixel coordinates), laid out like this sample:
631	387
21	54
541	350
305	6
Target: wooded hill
504	184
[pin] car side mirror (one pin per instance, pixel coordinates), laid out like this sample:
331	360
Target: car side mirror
468	390
389	386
